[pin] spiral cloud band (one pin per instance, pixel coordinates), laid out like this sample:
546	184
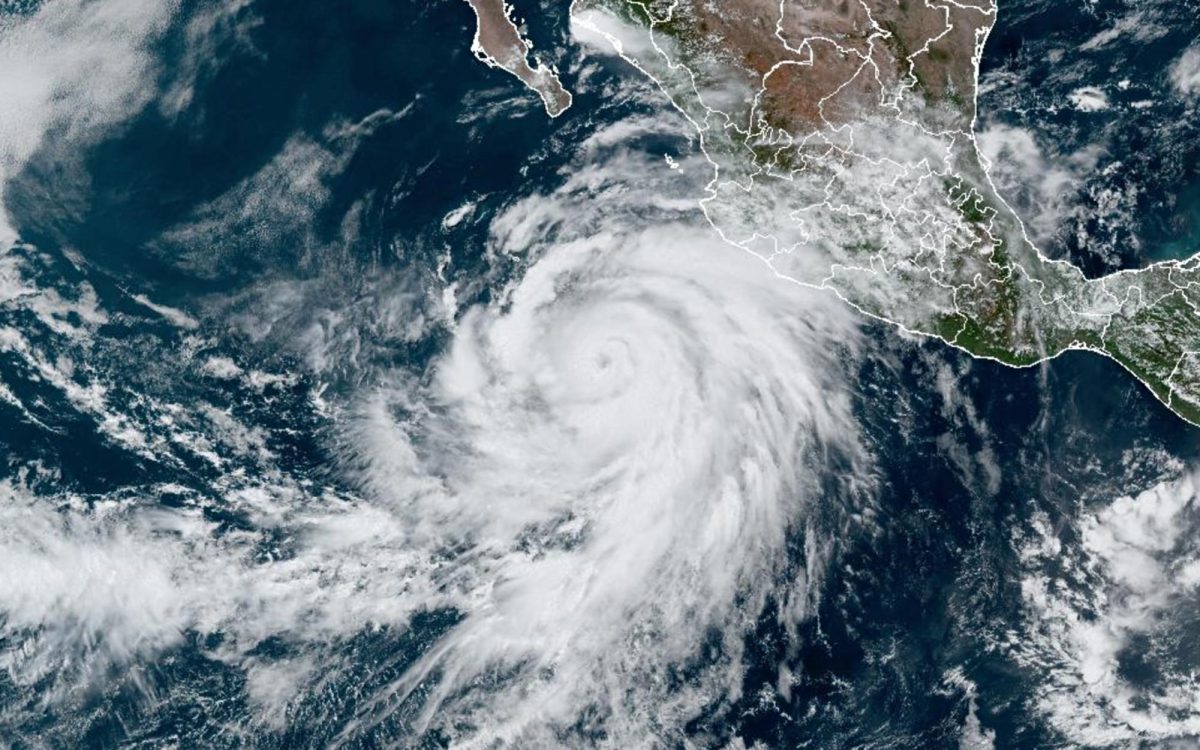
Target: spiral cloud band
596	487
622	446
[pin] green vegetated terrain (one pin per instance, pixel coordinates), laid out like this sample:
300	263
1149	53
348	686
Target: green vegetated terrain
952	259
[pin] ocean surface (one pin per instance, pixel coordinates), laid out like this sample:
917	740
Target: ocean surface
281	452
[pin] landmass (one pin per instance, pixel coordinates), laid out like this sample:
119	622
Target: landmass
841	134
498	43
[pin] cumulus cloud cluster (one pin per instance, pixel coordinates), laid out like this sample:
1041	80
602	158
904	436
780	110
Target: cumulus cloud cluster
1096	607
602	475
1185	73
74	67
624	445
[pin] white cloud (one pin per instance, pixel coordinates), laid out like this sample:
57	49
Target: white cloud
1046	189
630	432
1043	188
1135	25
207	29
1089	99
1086	605
601	472
77	65
89	587
1185	73
173	315
605	33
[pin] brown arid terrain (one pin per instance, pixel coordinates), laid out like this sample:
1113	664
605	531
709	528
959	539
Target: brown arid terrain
841	138
498	43
822	63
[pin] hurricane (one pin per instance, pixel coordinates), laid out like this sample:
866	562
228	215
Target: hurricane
619	450
597	486
481	374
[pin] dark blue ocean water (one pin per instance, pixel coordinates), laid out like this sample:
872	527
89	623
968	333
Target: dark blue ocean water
924	582
1134	165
